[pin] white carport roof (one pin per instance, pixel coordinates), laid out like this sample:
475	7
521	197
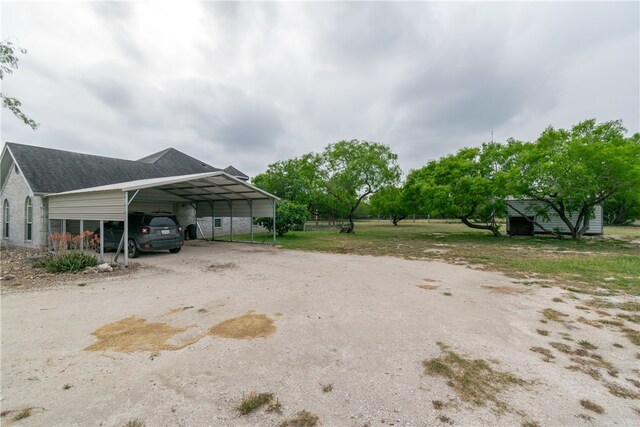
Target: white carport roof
209	186
205	191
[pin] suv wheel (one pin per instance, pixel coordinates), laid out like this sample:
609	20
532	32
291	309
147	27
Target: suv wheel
174	250
133	249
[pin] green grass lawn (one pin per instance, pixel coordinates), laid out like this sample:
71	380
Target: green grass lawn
612	263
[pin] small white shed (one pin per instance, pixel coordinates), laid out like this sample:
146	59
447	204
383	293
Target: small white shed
522	216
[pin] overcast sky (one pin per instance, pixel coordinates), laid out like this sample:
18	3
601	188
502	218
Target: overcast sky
252	83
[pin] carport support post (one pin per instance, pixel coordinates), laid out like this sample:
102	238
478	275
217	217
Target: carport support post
213	223
251	218
125	235
230	221
101	241
49	245
81	235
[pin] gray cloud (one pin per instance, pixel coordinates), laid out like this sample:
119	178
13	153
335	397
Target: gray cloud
251	83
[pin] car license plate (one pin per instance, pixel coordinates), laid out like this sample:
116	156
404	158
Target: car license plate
165	231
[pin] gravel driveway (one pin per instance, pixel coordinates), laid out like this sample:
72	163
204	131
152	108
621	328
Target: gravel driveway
363	325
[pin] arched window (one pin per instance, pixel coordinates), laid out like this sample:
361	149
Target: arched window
28	219
5	228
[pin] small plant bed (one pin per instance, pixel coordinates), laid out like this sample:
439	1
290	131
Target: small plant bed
70	262
24	269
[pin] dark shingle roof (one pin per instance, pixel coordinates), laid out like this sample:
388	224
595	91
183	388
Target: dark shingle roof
54	171
174	162
235	172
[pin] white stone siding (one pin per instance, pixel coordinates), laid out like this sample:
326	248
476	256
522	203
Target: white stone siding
16	191
240	226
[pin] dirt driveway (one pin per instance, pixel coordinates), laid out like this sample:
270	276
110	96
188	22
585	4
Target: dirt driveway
359	326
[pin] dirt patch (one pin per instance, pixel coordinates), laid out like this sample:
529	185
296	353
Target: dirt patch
135	334
245	327
506	290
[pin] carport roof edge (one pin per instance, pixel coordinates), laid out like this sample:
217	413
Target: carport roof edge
142	184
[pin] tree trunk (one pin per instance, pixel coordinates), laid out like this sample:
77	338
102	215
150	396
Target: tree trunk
490	227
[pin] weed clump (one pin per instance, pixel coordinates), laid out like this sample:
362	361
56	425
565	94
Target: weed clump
302	419
632	335
135	423
326	388
255	400
554	315
586	344
474	380
25	413
635	318
619	391
587	404
546	353
542	332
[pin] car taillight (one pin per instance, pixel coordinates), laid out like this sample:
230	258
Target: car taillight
144	230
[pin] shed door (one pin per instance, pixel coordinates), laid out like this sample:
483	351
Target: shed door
519	226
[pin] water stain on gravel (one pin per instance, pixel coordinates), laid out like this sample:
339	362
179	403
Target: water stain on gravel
134	334
248	326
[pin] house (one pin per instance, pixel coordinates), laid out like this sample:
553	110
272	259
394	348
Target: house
30	176
526	218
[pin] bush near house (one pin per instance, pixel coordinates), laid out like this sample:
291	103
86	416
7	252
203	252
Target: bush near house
288	216
67	257
68	262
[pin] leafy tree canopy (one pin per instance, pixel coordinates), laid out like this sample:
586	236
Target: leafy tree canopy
288	216
390	202
353	170
9	62
571	171
469	185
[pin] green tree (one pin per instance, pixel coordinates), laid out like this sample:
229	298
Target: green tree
288	216
391	203
296	180
468	185
9	62
353	170
569	172
622	208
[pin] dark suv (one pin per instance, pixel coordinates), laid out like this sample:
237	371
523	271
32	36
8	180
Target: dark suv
147	232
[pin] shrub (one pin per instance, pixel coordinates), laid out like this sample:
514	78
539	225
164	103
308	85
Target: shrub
67	262
288	216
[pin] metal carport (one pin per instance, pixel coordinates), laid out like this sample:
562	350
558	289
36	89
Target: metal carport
217	193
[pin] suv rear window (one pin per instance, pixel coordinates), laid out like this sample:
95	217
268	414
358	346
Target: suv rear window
161	221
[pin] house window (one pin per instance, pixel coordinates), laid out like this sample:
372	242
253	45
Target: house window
217	222
28	219
5	229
